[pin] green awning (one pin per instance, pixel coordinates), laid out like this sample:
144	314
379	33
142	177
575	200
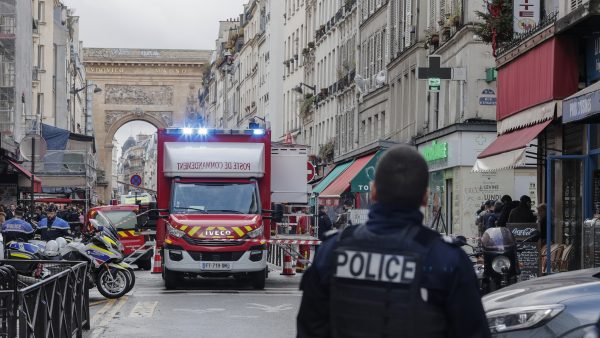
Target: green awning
337	171
361	182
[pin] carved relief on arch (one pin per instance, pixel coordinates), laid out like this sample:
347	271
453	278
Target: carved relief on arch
138	94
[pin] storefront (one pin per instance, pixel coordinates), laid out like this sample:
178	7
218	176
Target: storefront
456	191
573	178
15	181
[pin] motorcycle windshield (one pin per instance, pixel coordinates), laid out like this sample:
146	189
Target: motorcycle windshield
497	239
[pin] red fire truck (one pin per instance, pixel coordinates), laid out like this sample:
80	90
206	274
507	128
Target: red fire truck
215	198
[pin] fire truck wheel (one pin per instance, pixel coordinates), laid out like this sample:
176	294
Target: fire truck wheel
258	279
172	279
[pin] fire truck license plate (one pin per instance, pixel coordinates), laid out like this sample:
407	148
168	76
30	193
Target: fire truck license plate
219	266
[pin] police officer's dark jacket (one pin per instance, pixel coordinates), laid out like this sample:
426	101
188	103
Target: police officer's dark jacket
53	228
392	277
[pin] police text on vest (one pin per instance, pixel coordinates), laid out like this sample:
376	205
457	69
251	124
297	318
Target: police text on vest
374	266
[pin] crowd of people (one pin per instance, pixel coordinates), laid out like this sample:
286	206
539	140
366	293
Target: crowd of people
497	213
20	222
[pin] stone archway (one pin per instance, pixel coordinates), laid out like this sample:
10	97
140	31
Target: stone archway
153	85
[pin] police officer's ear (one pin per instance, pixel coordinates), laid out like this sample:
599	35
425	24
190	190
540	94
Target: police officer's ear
425	198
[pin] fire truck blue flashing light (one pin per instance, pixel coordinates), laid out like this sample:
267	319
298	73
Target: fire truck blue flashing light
187	131
258	131
202	131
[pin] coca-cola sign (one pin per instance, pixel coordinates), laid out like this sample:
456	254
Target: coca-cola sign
523	232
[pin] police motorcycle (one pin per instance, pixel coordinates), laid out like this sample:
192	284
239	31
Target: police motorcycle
106	271
34	251
500	261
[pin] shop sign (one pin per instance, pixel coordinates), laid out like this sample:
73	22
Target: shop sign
581	107
593	57
526	15
436	151
362	181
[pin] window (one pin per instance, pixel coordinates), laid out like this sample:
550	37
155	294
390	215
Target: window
40	104
40	57
383	132
41	11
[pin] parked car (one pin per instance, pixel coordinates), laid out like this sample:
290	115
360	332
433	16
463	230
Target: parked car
561	305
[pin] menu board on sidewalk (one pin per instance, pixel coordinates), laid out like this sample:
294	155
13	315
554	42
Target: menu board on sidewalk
529	256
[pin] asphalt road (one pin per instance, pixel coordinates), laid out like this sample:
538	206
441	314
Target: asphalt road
201	308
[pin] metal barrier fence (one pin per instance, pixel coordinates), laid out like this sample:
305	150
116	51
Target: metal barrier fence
57	306
275	255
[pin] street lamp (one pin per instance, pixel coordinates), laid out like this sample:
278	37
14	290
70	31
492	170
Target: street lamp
298	88
74	92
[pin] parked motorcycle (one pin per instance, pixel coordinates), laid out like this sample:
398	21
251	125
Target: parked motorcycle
499	249
107	272
27	252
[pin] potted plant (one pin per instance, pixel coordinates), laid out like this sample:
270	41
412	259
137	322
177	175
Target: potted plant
311	45
305	51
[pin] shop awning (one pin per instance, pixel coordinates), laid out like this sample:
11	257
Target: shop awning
508	150
342	183
332	176
538	114
361	182
583	104
37	185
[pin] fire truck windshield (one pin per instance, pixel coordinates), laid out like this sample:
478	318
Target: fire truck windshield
215	198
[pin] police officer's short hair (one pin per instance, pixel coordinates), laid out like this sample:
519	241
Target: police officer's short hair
401	177
19	211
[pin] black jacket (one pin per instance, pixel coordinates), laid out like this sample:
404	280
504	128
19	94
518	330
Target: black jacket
324	225
449	279
522	214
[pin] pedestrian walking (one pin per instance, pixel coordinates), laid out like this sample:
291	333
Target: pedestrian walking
523	212
2	215
392	277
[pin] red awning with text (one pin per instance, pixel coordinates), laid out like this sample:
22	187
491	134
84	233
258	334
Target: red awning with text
37	185
508	150
342	182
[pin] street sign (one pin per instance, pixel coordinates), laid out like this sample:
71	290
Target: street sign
136	180
434	84
310	171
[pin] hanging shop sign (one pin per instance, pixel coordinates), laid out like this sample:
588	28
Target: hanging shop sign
580	107
526	15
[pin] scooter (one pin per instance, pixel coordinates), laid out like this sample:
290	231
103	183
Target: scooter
500	261
107	272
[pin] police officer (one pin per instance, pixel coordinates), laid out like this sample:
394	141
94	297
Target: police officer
17	229
52	226
392	277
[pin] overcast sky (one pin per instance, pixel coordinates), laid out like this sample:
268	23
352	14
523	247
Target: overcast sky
160	24
178	24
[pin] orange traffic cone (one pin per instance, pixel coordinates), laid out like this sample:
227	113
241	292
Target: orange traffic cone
157	263
288	269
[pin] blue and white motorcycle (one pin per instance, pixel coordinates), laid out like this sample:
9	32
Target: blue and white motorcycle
107	271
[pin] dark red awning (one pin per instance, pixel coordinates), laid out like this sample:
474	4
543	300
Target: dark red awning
508	150
342	182
37	185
